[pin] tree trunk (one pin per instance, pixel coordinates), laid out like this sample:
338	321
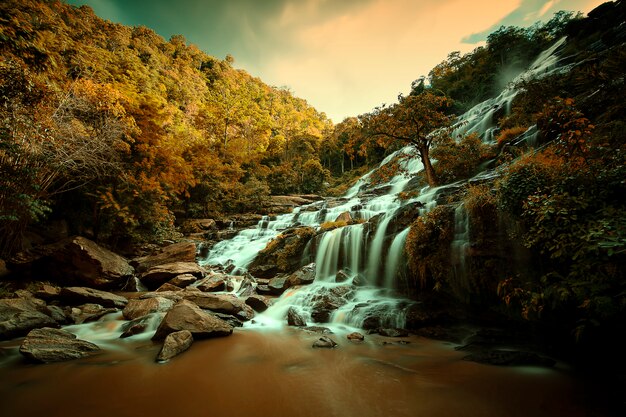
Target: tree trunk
431	177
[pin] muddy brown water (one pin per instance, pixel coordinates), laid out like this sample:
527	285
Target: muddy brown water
278	373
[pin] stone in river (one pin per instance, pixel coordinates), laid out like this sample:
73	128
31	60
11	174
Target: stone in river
55	345
324	342
175	344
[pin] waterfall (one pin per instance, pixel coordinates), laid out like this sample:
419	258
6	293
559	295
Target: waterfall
373	252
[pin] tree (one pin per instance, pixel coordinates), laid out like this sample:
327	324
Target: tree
416	120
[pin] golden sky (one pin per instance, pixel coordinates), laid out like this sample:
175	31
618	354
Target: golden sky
345	57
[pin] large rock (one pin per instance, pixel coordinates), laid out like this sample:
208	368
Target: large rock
186	315
183	281
176	252
82	295
213	283
326	302
278	285
19	316
75	260
282	254
138	308
294	318
221	303
258	303
175	344
158	275
303	276
325	342
55	345
344	217
141	325
89	312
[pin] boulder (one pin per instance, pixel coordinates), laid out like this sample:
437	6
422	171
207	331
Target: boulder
160	274
343	275
282	254
141	325
319	329
81	295
185	315
19	316
356	337
213	283
140	307
303	276
324	303
183	280
264	289
344	217
55	345
75	260
228	318
167	287
294	318
89	312
324	342
177	252
175	344
258	303
278	285
221	303
47	291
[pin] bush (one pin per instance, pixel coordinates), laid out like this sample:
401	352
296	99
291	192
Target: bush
459	160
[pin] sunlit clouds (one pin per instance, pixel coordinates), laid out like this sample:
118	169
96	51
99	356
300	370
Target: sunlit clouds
345	57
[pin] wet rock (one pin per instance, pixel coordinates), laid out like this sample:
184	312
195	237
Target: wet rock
167	287
246	288
81	295
319	329
175	344
177	252
263	289
509	358
89	312
356	337
170	295
278	285
343	275
198	226
55	345
324	303
183	280
324	342
221	303
158	275
359	280
228	318
75	260
213	283
140	307
47	292
19	316
393	332
185	315
344	217
303	276
141	325
258	303
57	314
294	318
282	254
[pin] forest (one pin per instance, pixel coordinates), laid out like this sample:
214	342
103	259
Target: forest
124	136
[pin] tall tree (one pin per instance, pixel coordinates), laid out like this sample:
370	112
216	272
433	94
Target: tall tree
416	120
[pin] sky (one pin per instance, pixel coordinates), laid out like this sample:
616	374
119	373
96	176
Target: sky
344	57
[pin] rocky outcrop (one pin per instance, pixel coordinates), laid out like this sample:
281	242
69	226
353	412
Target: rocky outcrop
326	301
303	276
284	203
75	260
141	325
344	217
325	342
282	254
82	295
55	345
355	337
175	344
258	303
213	283
89	312
294	318
158	275
19	316
176	252
183	280
221	303
185	315
138	308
